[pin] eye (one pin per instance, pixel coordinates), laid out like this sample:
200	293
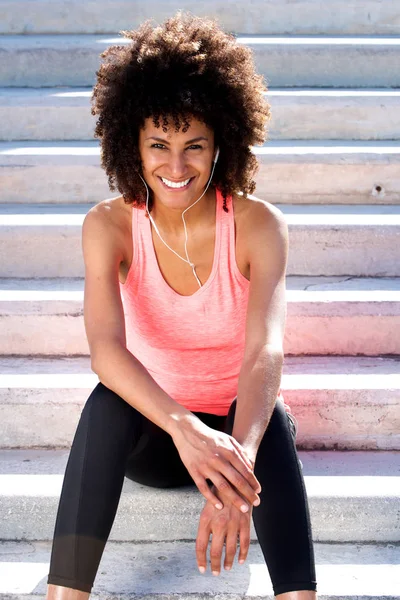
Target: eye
158	145
196	146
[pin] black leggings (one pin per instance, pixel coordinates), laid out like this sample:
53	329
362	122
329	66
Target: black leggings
113	440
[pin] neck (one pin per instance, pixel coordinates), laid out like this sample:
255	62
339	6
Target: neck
170	221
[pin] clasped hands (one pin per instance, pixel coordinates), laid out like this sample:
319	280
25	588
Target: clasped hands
211	454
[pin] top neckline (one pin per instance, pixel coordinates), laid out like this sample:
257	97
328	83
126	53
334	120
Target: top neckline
217	244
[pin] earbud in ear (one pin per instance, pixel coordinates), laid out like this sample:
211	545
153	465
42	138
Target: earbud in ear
216	155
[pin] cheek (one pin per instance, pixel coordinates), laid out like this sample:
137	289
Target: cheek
151	162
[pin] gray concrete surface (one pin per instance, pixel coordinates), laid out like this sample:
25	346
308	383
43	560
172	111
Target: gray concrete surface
325	315
261	16
290	172
165	571
353	497
328	240
284	61
347	403
296	114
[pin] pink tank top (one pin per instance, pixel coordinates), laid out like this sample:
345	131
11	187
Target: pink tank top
192	346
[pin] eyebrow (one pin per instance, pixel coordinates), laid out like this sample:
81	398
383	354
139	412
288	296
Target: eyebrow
198	139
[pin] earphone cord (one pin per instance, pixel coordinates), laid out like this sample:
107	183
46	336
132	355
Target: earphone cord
184	224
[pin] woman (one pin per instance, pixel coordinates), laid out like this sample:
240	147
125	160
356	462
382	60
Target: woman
188	350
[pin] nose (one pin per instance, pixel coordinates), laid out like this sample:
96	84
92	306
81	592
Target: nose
177	164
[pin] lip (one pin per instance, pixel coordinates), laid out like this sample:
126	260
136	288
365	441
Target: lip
170	189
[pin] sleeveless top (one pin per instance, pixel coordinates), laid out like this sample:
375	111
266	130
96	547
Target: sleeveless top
192	346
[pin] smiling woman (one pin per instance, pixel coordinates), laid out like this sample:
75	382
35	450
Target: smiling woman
189	367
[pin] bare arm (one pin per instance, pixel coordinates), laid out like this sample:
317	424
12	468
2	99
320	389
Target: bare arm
104	318
261	371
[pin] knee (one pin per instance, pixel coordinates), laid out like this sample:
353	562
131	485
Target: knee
109	406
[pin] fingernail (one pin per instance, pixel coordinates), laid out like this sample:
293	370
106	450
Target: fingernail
215	572
202	569
241	561
227	568
219	506
256	502
244	508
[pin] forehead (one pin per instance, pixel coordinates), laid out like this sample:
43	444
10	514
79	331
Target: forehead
196	128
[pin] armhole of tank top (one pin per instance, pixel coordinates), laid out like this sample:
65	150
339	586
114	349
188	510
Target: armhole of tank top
242	280
135	249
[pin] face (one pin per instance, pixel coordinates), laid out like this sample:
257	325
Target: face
176	165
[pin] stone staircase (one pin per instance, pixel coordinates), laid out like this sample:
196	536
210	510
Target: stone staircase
332	165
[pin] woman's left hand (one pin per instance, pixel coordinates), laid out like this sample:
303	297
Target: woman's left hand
228	523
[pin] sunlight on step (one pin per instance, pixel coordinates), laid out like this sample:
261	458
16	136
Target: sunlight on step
324	93
334	579
40	295
343	296
35	220
39	150
293	40
49	381
320	217
294	147
339	93
307	381
31	486
309	296
320	40
322	486
340	381
21	577
355	486
343	579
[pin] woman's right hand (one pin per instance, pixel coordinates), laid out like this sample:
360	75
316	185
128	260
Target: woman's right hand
211	454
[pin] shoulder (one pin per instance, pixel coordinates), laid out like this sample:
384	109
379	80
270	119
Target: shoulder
260	213
264	226
104	223
111	210
111	215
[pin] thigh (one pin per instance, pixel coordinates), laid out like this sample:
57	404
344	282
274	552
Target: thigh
155	460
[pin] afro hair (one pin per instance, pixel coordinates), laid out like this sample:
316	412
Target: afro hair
187	67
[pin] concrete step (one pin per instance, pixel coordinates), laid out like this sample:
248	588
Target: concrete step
168	570
353	497
291	172
51	114
263	16
326	315
329	240
354	61
346	403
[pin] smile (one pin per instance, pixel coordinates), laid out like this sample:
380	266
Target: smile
180	185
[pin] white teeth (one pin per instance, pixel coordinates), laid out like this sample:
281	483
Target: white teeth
175	185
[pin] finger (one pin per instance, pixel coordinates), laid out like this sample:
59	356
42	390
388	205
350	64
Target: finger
245	468
231	545
236	480
203	537
244	537
230	495
204	489
217	543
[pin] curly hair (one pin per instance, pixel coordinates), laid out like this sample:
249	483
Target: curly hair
187	67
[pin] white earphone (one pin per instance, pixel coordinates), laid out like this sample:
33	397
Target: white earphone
183	218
